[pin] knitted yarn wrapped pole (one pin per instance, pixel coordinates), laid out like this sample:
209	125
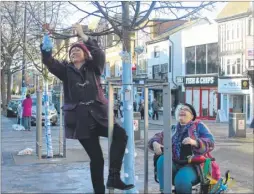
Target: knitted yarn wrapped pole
47	46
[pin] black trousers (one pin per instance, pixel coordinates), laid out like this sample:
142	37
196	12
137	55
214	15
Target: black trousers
94	151
155	113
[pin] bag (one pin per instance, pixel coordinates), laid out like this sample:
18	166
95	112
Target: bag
215	169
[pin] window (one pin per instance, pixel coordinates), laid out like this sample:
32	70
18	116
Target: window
156	70
164	68
156	52
233	35
190	60
234	66
201	59
212	58
237	31
238	65
250	27
228	32
142	66
228	66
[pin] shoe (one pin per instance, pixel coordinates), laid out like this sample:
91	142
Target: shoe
115	182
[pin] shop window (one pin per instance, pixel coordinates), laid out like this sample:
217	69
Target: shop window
212	58
190	60
201	59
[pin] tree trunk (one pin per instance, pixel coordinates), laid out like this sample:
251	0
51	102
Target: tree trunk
3	93
9	85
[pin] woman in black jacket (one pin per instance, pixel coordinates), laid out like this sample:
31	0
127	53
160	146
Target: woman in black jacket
86	109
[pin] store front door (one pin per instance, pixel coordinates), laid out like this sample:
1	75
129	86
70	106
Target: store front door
204	104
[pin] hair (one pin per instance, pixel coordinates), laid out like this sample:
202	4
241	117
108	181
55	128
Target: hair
28	96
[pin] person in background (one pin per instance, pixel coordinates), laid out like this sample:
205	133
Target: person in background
27	112
142	109
121	109
155	107
135	106
116	108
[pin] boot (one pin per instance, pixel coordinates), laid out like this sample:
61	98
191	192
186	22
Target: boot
115	182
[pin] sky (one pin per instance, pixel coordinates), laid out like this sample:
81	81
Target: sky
76	15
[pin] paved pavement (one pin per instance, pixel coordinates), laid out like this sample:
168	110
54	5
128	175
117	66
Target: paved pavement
23	174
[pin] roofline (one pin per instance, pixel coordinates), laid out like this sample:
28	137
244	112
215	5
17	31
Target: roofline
233	17
165	36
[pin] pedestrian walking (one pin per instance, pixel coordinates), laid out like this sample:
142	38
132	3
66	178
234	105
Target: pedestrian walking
135	106
86	108
155	107
142	109
116	107
27	112
121	109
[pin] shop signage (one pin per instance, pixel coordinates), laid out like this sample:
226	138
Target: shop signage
233	86
245	84
179	79
201	81
250	53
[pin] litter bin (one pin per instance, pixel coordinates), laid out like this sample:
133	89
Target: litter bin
237	125
136	119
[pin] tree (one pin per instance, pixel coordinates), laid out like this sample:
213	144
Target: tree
123	18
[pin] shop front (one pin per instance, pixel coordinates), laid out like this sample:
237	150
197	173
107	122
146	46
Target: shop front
201	92
235	96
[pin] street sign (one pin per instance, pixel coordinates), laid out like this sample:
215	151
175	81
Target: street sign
241	124
135	124
179	79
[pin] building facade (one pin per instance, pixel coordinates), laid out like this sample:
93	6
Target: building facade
236	45
200	65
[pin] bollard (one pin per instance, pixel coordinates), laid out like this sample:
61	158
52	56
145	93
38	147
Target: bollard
146	116
167	139
39	124
110	121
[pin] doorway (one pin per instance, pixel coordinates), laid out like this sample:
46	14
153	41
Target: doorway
204	103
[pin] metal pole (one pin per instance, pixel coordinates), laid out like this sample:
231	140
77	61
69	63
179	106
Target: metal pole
110	121
146	116
39	124
167	139
24	89
129	159
61	122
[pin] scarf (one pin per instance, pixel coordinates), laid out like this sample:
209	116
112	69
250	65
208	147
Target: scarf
181	133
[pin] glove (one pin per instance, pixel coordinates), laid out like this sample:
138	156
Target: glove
47	43
157	148
79	31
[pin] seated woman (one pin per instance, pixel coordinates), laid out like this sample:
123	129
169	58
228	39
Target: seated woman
186	133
